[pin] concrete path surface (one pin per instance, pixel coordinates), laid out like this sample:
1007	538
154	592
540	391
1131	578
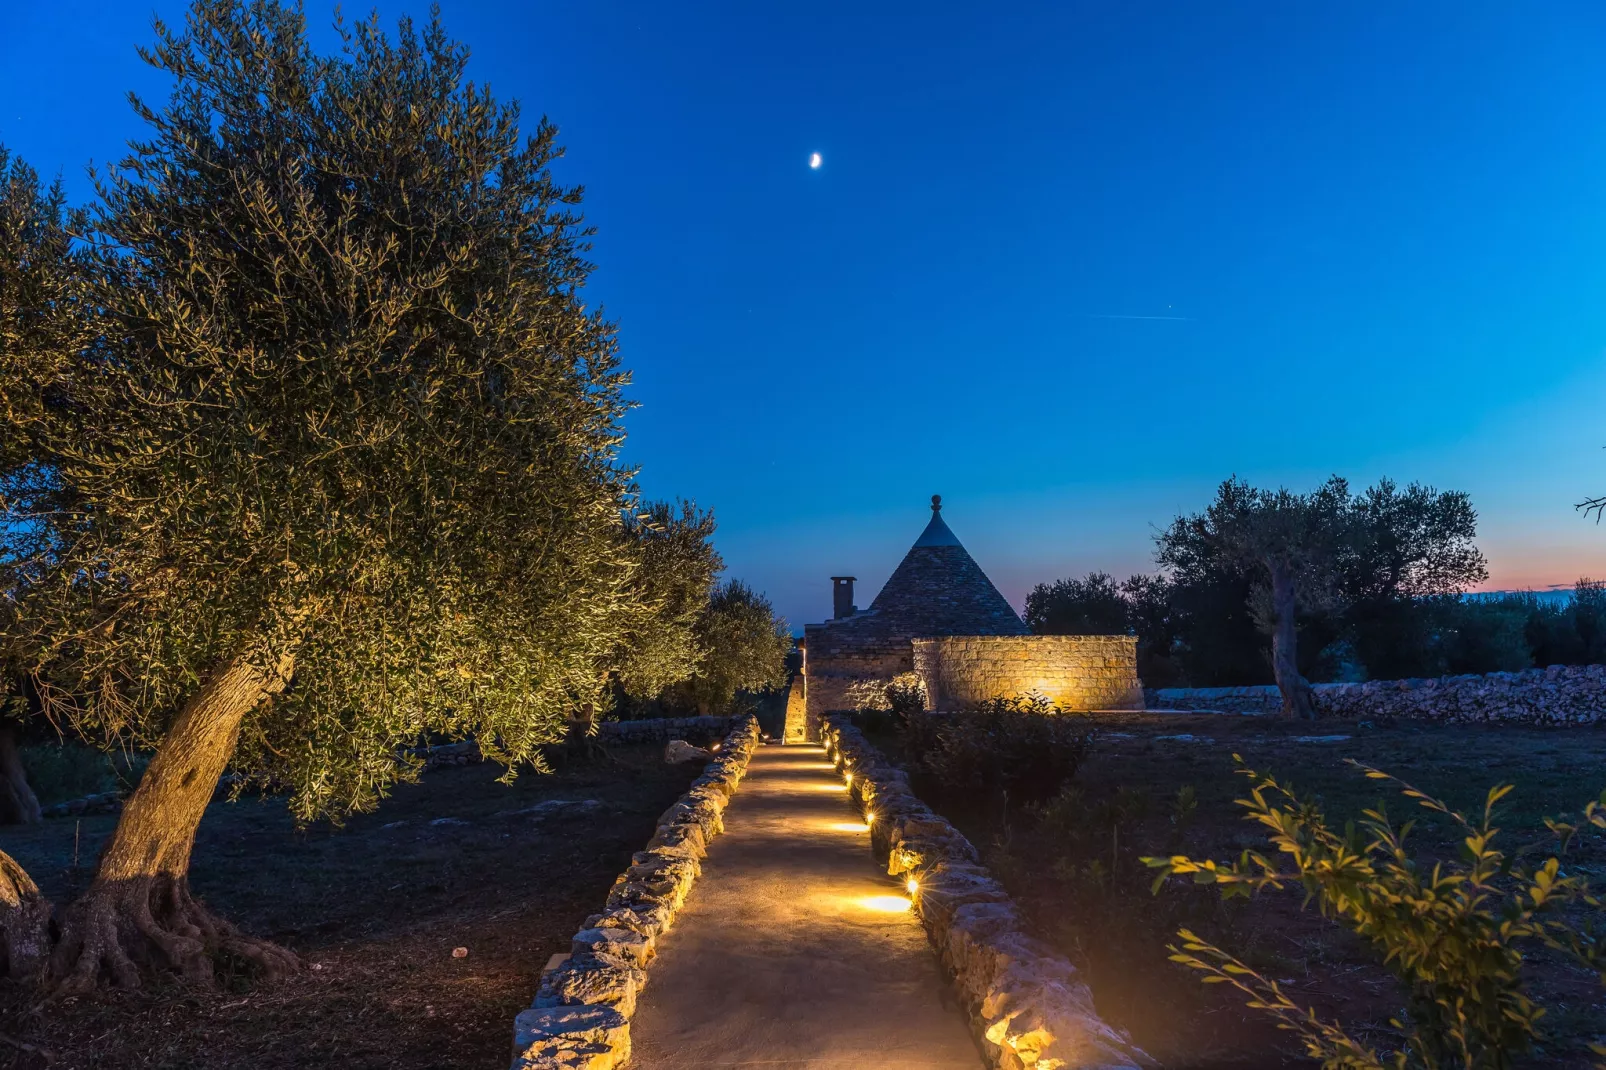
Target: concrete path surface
794	951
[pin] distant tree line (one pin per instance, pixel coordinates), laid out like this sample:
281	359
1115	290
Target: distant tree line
1277	587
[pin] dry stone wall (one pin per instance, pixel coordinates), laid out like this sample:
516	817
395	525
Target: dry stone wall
1559	695
1075	672
1027	1004
581	1014
831	668
663	729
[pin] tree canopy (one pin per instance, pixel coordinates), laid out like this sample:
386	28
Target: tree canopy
328	446
673	579
745	647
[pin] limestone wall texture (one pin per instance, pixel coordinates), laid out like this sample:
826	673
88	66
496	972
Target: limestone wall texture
581	1014
1027	1004
831	665
1559	695
1075	672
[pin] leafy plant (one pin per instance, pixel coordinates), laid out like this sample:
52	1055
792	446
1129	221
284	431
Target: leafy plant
1456	934
70	770
1010	752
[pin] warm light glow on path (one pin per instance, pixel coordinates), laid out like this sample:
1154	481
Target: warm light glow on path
795	948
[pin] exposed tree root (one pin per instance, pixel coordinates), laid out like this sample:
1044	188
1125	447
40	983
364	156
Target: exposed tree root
24	921
121	931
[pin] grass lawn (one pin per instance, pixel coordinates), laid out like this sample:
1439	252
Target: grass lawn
375	909
1074	867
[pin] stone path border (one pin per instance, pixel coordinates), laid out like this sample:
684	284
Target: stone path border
1027	1004
581	1015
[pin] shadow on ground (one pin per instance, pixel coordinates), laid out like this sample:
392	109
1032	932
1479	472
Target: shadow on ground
375	909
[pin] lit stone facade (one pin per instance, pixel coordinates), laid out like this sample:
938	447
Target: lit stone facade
939	593
1074	672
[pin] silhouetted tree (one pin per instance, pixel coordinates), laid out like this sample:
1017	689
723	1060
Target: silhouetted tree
1404	547
1292	542
1143	606
1092	606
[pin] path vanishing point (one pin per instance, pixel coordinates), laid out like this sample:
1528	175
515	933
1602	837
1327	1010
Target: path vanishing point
794	952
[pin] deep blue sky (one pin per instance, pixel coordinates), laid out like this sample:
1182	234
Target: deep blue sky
1373	242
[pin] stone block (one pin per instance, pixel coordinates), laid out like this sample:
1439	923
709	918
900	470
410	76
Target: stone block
585	980
614	945
570	1038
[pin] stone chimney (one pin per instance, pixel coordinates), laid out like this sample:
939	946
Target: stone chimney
842	597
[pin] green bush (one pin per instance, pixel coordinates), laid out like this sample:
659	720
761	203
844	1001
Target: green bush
58	772
1007	753
1457	934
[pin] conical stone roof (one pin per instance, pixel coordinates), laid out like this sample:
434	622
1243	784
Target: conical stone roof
938	589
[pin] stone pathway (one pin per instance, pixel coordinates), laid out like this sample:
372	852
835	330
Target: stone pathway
794	952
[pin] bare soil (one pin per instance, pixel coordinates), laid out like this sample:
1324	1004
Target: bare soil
374	909
1075	868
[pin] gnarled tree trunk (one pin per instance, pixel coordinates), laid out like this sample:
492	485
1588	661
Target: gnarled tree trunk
139	913
18	804
24	922
1284	644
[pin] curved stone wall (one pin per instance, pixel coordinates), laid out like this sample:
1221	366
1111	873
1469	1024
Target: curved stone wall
1075	672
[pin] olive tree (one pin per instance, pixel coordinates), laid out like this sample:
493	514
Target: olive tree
40	327
1331	556
340	461
672	581
1293	541
745	647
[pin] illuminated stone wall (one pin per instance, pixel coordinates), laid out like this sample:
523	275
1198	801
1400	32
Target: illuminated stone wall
1075	672
831	667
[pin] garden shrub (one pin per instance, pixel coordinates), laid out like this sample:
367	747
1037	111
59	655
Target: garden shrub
1009	753
58	772
885	706
1457	934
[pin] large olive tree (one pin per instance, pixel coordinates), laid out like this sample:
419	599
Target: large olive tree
341	458
1328	555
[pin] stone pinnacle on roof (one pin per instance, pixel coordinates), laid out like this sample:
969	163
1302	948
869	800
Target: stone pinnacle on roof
938	589
937	533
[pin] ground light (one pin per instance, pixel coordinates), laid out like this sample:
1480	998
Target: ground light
912	884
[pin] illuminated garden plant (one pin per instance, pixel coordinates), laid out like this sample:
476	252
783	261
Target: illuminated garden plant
329	464
1456	934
